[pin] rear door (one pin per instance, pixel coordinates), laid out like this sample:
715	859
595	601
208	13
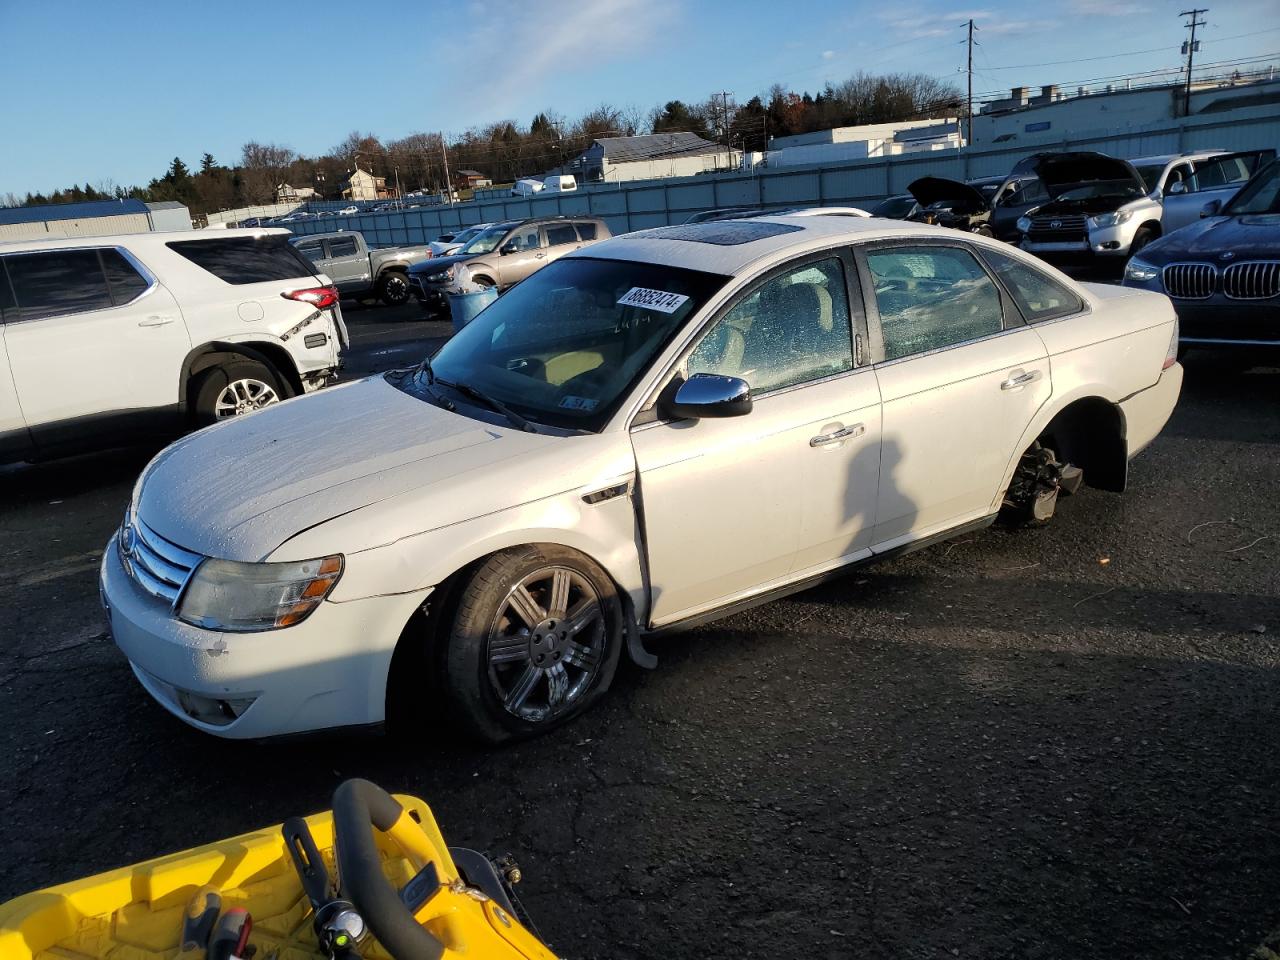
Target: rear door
562	238
348	266
960	376
96	346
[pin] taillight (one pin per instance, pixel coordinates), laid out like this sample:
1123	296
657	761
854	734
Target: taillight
1171	357
318	297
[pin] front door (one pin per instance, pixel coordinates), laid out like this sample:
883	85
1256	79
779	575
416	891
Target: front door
960	378
731	506
521	253
97	347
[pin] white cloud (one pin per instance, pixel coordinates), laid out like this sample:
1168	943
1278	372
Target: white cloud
1107	8
828	54
916	24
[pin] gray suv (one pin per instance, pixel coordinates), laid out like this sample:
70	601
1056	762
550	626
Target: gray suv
505	253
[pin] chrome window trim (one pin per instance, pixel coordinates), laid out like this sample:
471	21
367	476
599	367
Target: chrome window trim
152	281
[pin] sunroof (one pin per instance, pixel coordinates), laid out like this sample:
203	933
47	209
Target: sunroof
723	233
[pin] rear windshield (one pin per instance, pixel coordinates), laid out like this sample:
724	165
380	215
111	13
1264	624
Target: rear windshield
241	260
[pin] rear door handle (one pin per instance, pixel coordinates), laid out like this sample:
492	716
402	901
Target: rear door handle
1022	379
155	321
843	433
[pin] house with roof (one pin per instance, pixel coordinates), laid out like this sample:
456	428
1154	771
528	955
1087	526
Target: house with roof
652	155
470	180
363	185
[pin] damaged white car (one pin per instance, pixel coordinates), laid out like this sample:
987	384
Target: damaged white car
641	436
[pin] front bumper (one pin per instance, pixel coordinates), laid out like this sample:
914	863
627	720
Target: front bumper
328	671
1147	411
1219	321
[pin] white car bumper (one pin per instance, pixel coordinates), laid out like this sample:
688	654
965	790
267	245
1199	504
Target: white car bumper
328	671
1147	411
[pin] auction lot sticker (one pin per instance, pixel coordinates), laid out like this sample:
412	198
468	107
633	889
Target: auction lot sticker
658	300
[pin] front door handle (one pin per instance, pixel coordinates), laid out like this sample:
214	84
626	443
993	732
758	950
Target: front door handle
155	321
1022	379
539	256
844	433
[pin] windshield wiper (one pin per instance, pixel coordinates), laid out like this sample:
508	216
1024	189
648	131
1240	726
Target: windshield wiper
514	418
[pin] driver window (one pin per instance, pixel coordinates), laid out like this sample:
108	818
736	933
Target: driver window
526	238
792	329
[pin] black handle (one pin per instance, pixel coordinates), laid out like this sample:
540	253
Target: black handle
308	862
358	807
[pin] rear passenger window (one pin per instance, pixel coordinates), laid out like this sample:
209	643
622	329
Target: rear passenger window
312	251
1039	296
560	233
7	306
126	283
342	247
57	283
240	260
586	231
932	297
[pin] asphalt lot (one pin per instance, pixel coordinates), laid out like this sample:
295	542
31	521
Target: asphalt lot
1039	743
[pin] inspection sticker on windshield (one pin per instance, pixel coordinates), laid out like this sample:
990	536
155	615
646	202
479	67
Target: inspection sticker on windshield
658	300
585	404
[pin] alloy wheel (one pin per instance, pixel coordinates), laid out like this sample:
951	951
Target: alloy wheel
546	644
244	396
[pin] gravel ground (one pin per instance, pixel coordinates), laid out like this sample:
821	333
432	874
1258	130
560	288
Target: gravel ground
1041	743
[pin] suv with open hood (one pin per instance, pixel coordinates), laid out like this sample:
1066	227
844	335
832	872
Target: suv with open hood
951	203
1098	208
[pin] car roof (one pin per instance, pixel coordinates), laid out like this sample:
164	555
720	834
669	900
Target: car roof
1167	158
137	239
729	247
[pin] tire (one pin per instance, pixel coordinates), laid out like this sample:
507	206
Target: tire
393	288
508	678
483	281
1140	240
236	388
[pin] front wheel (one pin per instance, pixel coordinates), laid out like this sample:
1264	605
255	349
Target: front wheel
393	288
1140	240
535	641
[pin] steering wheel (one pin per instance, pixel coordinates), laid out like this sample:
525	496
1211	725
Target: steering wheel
358	807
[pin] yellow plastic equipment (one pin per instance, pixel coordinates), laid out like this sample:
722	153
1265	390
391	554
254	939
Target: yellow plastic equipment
135	913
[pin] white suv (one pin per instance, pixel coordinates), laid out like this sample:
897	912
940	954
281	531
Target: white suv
103	338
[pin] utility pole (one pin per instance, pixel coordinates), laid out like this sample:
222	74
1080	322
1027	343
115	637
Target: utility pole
448	183
724	99
969	109
1189	47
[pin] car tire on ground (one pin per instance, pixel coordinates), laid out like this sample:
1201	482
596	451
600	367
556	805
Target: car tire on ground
235	388
393	288
534	641
1140	240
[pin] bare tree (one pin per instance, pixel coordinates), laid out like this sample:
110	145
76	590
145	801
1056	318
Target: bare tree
262	167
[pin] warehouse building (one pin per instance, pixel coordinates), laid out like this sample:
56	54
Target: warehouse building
91	218
866	142
654	155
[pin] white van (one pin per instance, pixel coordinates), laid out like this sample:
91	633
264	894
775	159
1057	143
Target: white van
526	188
562	184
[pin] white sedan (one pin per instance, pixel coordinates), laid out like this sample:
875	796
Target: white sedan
657	430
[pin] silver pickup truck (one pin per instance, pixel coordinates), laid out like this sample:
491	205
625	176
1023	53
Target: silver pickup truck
359	272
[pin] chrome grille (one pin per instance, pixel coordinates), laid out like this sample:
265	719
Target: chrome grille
1190	281
1252	280
161	568
1056	229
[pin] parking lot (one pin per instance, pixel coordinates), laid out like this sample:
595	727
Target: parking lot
1037	743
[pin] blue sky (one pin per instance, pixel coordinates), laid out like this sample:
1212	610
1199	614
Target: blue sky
100	90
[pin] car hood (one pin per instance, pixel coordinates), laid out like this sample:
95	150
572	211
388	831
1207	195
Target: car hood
962	197
239	489
1060	172
440	263
1247	237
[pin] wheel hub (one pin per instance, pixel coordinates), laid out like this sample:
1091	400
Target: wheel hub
548	643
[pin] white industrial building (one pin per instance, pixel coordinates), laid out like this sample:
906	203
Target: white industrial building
1053	113
869	141
91	218
651	156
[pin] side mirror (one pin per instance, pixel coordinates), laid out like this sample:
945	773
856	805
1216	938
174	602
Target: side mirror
509	248
1211	209
1178	187
707	395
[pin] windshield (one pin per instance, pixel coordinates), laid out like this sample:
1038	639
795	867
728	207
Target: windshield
565	346
1150	174
1100	188
486	241
466	235
1259	195
894	207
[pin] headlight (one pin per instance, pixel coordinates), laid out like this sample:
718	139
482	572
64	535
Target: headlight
1140	270
441	276
1110	219
227	595
1024	224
